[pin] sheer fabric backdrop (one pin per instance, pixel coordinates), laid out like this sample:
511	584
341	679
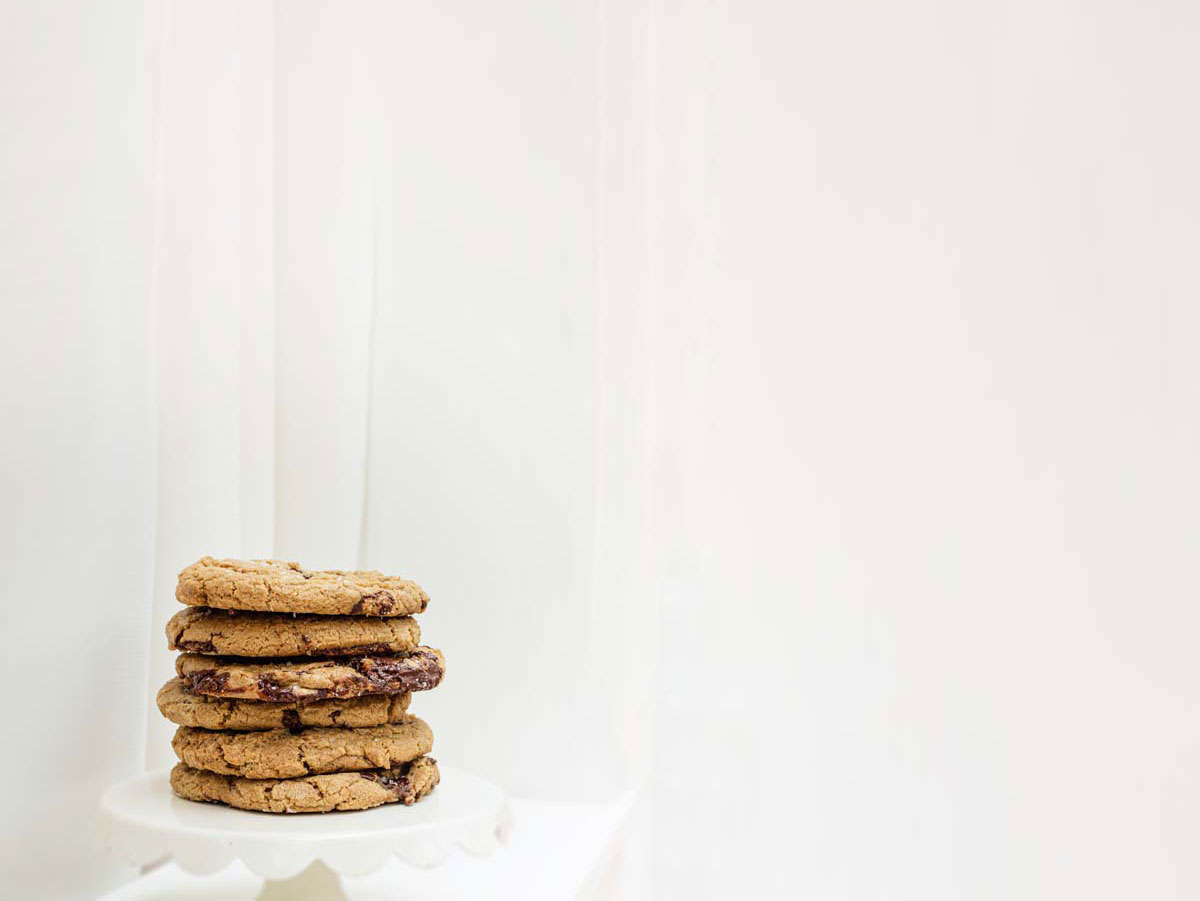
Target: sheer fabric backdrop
412	381
303	352
77	439
791	409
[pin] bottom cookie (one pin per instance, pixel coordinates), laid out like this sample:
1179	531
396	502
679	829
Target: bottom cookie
406	783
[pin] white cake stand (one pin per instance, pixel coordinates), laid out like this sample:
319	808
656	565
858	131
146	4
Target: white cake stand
302	855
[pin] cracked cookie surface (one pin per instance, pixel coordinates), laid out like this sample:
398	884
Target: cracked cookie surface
184	708
277	586
279	754
311	680
208	630
406	784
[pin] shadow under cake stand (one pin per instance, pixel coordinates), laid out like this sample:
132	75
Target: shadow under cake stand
302	855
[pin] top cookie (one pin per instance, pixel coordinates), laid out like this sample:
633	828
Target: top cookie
278	587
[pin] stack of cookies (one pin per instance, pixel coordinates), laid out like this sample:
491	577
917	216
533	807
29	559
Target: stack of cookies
293	688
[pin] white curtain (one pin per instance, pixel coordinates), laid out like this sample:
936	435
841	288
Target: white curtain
77	440
404	366
791	409
322	282
933	405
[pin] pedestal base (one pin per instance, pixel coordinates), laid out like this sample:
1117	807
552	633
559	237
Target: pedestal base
315	881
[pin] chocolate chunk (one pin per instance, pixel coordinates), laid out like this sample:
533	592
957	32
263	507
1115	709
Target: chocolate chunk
397	780
208	682
196	647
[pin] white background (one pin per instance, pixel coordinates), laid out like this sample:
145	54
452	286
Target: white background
792	409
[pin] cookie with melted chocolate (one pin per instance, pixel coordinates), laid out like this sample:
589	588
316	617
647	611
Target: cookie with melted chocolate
185	708
240	633
404	784
312	679
279	754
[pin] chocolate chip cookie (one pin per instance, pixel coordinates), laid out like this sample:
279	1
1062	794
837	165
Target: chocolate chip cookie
184	708
311	680
275	586
280	754
406	783
208	630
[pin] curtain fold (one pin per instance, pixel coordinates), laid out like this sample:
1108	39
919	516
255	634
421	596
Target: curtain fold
328	119
77	465
212	300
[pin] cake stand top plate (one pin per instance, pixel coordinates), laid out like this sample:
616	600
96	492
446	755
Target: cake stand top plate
146	823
